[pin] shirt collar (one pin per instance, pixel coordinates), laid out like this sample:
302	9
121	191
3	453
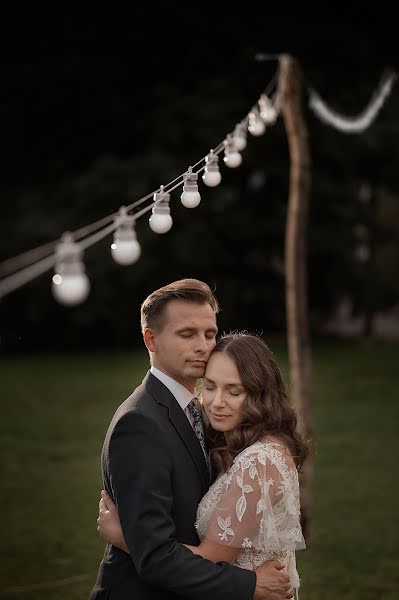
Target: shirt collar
182	394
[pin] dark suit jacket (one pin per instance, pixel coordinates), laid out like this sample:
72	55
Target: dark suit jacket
154	469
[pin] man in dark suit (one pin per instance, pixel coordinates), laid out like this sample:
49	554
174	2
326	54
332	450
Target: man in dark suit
155	467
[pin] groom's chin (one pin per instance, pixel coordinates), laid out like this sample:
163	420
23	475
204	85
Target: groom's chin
197	372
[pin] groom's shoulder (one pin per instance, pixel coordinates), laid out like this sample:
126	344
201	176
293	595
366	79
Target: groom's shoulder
141	402
138	400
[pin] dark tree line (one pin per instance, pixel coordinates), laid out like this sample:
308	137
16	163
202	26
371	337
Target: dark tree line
100	110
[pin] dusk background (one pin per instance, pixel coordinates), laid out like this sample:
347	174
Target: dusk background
99	109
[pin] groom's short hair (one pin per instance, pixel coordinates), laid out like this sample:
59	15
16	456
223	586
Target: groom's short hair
192	290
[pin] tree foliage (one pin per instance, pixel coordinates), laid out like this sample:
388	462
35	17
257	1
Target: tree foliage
98	112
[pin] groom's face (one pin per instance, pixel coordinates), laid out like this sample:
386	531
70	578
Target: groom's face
182	343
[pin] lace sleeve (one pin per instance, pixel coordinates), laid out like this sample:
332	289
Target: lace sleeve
244	516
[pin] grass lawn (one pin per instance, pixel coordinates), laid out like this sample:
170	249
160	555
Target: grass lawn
56	409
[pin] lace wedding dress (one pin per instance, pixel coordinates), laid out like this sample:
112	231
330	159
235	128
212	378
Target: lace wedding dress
255	506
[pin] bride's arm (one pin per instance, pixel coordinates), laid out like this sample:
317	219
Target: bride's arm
108	526
214	551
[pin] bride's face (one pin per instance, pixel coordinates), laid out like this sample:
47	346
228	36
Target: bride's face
223	393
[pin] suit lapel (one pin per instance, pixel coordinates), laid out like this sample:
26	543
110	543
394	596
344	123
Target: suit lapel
181	424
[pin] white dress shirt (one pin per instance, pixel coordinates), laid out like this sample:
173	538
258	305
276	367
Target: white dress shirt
182	394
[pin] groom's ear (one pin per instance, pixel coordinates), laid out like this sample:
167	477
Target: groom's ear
149	339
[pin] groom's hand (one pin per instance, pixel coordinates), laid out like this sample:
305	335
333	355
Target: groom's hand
271	582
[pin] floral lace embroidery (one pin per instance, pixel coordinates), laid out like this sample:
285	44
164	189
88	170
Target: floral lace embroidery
279	527
224	524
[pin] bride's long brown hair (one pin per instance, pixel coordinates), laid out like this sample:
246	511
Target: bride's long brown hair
266	409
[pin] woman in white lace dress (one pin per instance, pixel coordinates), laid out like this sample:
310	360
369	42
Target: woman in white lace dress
251	512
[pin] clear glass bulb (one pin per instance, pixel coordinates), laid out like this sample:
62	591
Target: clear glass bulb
257	127
211	178
268	111
233	159
125	252
269	115
71	289
240	141
190	199
160	223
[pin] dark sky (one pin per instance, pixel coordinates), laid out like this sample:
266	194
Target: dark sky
99	106
78	85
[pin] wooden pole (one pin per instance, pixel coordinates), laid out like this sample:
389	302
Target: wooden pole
289	97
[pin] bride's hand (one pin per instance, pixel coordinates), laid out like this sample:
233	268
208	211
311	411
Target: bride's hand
108	523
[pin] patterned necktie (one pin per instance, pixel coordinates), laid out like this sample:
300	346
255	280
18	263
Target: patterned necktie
195	411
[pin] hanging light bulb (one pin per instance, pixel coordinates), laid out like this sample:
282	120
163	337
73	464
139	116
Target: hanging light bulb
232	158
256	126
160	220
125	248
70	285
212	176
190	197
268	112
240	137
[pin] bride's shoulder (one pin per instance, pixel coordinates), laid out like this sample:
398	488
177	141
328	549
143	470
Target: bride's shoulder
253	451
268	448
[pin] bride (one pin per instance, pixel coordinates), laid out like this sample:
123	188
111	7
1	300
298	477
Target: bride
251	512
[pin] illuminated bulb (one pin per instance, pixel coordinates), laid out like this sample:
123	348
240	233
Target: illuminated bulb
190	197
268	112
212	176
71	289
240	137
125	248
160	220
232	158
70	285
256	126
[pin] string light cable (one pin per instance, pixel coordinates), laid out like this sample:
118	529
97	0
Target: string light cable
66	252
70	283
360	122
42	255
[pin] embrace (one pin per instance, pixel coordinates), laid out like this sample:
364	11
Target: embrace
200	465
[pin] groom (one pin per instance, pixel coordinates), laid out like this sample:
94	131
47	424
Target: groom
155	467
